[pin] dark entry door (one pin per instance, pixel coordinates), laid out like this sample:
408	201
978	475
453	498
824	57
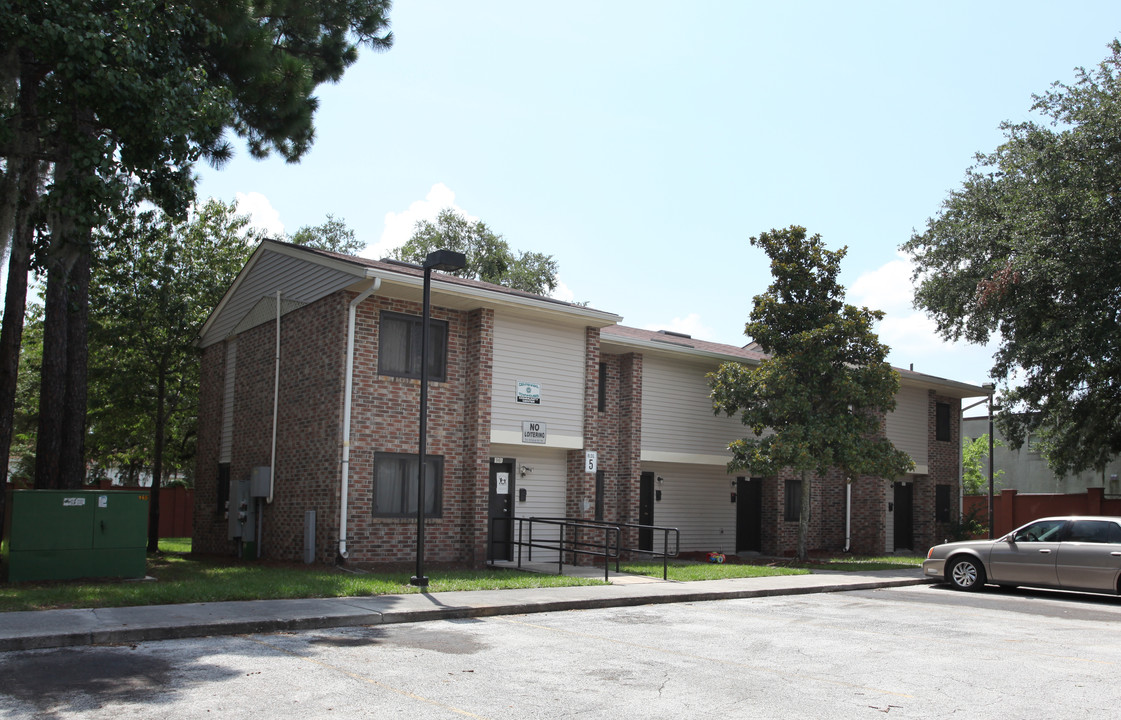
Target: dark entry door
749	514
500	526
904	519
646	510
600	492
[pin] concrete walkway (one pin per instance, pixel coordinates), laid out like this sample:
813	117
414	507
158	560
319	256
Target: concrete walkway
63	628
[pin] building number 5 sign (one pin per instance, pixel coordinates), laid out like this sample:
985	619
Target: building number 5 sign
590	461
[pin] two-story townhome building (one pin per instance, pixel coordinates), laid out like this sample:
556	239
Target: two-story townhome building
537	408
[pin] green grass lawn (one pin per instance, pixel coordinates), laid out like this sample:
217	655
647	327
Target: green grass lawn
181	578
685	570
858	563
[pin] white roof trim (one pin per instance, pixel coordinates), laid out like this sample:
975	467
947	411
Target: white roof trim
671	347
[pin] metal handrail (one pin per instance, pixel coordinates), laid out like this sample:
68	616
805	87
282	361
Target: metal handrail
664	554
571	543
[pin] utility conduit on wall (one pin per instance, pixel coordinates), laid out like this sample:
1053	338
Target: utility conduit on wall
375	284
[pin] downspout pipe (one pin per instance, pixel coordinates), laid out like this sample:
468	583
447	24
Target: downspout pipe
352	311
848	515
275	403
275	407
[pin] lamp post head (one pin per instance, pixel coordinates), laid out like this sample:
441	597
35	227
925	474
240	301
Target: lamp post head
445	260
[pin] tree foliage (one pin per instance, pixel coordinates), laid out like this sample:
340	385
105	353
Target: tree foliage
1028	250
102	104
817	400
974	478
489	257
154	285
332	235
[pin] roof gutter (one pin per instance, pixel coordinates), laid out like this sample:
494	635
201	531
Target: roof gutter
344	486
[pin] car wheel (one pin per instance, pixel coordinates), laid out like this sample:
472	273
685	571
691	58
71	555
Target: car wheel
966	574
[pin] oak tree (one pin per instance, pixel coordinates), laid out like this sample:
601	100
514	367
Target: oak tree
1028	251
489	257
154	284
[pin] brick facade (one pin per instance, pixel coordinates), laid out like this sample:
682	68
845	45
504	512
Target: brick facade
944	462
385	414
385	420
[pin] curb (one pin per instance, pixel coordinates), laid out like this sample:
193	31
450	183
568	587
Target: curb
350	615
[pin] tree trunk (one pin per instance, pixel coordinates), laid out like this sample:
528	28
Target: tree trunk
52	383
15	305
804	517
157	461
72	464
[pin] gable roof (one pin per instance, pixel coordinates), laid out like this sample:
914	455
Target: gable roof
670	342
303	275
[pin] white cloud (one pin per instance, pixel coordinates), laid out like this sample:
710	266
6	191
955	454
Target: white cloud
399	226
562	292
911	335
261	213
886	288
691	325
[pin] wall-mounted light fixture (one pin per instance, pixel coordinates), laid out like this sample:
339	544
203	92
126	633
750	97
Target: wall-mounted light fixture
525	470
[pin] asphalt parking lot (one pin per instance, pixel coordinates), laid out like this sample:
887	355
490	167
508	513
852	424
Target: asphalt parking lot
919	651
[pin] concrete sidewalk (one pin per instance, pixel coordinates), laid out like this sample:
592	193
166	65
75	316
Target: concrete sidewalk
63	628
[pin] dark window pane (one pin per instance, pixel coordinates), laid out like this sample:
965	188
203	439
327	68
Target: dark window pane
223	487
399	346
793	509
393	346
1093	531
395	484
942	421
603	387
942	503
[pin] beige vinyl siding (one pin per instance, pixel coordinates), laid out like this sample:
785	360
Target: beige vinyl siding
302	282
697	500
907	425
226	440
544	487
677	413
553	357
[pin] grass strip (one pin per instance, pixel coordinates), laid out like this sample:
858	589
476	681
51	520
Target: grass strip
183	578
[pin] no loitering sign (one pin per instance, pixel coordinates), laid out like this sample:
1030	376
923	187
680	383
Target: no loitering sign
534	432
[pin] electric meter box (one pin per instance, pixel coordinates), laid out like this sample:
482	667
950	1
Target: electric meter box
69	534
260	482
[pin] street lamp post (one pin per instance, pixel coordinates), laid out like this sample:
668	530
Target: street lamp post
991	387
445	261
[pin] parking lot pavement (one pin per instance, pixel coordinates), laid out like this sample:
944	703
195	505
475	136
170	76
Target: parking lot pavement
64	628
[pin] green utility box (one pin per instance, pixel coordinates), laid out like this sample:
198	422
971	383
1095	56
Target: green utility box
67	534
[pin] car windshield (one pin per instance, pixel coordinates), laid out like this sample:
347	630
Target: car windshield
1042	531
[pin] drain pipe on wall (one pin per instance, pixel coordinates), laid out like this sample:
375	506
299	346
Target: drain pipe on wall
848	515
275	401
275	405
372	288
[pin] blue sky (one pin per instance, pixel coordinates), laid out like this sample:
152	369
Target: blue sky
643	143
